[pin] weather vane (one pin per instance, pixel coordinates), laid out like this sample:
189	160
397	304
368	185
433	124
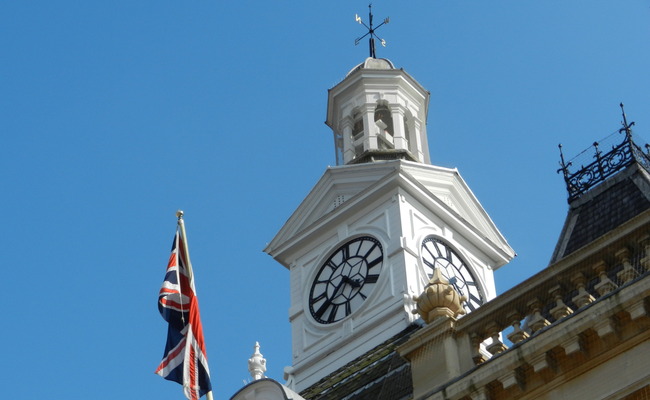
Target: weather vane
371	31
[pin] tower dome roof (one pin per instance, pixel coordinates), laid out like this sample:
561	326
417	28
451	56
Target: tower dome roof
373	63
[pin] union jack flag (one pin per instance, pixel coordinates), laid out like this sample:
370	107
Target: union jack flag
185	360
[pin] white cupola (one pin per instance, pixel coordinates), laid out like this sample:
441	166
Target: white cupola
378	112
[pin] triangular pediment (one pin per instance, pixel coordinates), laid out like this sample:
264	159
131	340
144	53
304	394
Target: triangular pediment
333	190
442	190
449	187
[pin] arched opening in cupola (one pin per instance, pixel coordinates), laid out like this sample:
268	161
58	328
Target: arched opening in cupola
384	121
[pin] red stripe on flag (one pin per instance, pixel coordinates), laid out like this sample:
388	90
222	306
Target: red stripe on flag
171	356
193	378
172	260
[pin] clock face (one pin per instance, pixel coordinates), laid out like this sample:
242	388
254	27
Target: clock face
437	255
345	279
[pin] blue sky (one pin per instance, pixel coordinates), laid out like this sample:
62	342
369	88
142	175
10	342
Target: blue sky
114	114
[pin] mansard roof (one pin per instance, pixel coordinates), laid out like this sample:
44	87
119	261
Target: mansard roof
603	195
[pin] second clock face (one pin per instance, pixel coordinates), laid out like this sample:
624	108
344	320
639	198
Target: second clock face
438	255
345	279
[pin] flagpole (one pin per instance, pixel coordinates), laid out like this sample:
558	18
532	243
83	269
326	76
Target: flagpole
181	224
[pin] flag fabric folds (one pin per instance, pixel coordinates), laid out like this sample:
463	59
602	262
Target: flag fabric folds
185	359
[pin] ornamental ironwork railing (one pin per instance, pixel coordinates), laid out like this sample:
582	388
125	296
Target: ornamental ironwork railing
605	164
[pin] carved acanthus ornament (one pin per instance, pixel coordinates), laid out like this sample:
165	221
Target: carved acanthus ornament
439	299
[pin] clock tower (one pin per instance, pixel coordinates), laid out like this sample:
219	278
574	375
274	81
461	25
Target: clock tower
369	235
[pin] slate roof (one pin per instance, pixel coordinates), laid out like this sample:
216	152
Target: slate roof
380	374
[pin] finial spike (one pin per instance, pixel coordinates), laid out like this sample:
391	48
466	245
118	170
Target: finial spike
627	128
563	164
179	214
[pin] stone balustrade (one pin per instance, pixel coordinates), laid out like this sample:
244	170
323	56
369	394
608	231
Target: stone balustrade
552	295
518	342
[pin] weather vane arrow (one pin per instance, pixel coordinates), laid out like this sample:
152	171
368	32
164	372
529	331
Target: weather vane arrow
371	31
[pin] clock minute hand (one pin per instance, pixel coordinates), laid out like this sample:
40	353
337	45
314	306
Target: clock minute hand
329	300
337	289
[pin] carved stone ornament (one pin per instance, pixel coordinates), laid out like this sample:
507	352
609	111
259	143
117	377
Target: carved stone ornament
257	364
438	299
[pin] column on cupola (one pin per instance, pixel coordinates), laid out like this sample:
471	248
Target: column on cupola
400	140
370	127
416	145
347	124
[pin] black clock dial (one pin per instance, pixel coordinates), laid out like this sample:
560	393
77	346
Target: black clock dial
345	279
438	255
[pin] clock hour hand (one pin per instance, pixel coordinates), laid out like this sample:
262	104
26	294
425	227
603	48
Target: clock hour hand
355	282
452	282
352	282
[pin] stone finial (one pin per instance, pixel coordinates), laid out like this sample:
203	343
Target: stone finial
439	299
257	363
